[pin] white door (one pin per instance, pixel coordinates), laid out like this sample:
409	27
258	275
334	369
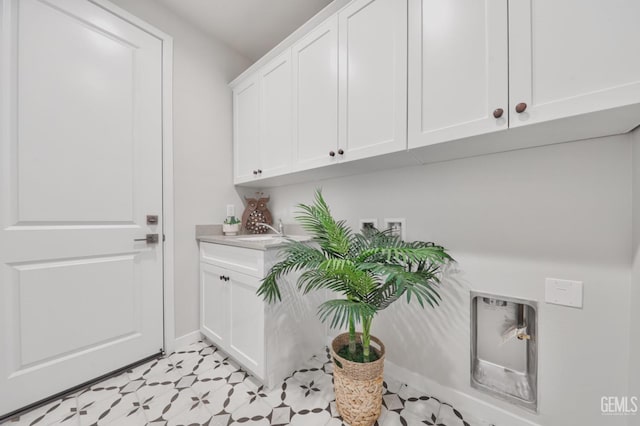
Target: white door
276	111
214	299
80	168
246	130
572	57
373	78
458	69
315	89
246	332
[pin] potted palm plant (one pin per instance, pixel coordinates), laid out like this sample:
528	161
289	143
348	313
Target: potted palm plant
369	271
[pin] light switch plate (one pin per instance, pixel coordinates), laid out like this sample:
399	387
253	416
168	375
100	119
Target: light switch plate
231	210
563	292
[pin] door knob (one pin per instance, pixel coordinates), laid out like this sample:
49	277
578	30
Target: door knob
521	107
149	239
498	113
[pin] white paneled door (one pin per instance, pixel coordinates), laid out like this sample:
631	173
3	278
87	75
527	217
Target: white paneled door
80	170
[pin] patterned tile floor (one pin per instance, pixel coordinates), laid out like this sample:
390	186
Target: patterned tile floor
200	385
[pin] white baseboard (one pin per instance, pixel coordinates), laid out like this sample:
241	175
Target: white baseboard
476	408
187	339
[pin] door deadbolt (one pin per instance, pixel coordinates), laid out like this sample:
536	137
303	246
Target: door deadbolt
152	219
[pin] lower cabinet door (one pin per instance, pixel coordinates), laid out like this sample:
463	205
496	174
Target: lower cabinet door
246	318
214	308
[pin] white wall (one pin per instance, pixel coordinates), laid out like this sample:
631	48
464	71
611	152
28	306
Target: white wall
635	277
202	116
510	220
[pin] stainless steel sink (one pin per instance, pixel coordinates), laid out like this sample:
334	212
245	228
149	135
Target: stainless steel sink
261	238
271	238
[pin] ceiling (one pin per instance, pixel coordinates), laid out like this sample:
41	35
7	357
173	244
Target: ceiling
251	27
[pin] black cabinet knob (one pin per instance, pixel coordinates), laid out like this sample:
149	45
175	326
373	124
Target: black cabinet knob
341	151
332	154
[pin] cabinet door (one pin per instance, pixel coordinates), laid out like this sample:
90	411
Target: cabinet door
315	106
246	318
373	77
458	69
276	116
214	303
572	57
246	129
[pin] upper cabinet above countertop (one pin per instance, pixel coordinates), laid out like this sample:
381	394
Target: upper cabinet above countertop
480	66
392	82
458	69
344	98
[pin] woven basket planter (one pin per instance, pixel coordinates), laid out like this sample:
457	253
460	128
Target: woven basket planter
358	386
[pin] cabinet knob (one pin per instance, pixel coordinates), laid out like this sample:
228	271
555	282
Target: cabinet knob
255	172
521	107
332	154
259	171
498	113
341	151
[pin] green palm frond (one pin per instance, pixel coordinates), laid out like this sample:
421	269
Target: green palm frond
369	270
332	236
297	256
342	311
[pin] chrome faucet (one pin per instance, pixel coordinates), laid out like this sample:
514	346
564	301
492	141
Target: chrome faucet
279	231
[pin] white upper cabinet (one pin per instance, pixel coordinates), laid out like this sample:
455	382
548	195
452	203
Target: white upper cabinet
458	69
373	78
276	120
315	88
572	57
263	123
384	76
246	129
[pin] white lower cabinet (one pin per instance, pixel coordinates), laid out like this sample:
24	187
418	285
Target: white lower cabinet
233	315
268	340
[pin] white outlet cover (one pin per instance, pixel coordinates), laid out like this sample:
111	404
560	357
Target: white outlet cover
397	222
231	210
563	292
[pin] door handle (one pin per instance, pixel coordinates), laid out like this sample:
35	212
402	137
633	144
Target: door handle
149	239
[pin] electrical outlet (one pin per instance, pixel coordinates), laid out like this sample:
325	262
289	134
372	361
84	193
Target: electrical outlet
366	224
231	210
397	226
